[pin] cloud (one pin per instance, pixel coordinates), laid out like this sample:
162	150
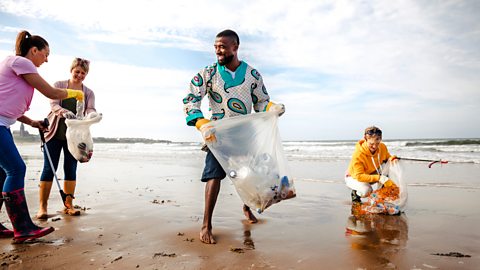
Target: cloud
348	63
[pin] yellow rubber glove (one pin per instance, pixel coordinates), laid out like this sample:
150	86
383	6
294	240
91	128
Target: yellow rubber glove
385	181
389	183
200	122
208	133
77	94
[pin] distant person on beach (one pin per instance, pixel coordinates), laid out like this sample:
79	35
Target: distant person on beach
233	88
18	79
56	139
365	168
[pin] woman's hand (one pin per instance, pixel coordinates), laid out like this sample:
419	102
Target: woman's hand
39	124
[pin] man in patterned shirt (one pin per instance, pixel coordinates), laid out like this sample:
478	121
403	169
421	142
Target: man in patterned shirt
233	88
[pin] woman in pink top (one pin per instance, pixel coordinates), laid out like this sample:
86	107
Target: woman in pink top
18	79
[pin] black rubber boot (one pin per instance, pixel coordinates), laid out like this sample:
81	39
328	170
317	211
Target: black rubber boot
355	197
17	209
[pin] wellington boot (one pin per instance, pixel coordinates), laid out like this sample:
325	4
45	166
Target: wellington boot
23	227
4	232
69	189
43	194
355	197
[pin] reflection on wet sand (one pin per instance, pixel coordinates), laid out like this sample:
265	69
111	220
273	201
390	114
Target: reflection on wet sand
377	238
247	239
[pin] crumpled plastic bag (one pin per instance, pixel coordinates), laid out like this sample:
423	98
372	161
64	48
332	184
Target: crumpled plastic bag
388	200
249	149
79	139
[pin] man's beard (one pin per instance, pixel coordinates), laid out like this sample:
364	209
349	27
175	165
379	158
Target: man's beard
226	60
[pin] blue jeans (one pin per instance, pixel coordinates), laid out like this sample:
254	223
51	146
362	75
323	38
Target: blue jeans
55	147
12	166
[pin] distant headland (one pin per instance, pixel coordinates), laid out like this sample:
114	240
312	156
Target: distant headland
23	135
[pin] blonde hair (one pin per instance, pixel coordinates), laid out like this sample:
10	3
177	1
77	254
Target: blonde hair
80	62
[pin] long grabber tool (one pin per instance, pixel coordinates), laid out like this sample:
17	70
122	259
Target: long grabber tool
425	160
45	148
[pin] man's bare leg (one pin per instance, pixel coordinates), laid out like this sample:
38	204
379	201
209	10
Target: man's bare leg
249	215
211	193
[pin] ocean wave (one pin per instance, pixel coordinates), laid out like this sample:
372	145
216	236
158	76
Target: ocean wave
442	185
429	185
444	142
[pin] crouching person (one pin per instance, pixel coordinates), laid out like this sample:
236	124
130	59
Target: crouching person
365	169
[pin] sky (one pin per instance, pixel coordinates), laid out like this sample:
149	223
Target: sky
410	67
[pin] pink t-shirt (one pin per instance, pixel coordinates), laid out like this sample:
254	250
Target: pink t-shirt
15	93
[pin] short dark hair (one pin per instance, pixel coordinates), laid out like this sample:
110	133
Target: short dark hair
231	34
372	131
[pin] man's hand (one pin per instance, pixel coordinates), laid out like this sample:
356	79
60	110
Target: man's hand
278	108
208	133
389	183
384	181
394	159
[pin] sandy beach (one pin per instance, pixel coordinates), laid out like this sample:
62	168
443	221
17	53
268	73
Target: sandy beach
144	211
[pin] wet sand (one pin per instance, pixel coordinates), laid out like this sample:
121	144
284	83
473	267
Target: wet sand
145	212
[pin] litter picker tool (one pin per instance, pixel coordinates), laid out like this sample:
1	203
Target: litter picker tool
45	148
432	161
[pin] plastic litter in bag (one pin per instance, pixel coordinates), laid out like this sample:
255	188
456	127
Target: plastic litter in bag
79	139
249	149
388	200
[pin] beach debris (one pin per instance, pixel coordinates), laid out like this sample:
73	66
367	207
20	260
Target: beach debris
81	208
237	250
155	201
164	254
388	199
67	240
56	219
79	139
189	239
250	151
381	201
180	234
452	254
116	259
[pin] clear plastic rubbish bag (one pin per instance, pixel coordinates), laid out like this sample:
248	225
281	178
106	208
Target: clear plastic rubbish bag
389	200
79	140
250	151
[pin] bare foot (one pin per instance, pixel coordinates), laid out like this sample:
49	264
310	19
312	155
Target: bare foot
206	236
249	215
42	215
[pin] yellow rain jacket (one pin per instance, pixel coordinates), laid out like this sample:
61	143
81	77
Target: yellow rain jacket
364	165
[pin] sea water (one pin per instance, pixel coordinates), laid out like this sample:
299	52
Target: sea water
324	161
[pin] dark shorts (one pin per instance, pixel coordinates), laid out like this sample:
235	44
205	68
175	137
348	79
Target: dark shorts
212	169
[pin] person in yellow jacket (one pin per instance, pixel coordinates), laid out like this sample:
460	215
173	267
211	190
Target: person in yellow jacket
365	168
